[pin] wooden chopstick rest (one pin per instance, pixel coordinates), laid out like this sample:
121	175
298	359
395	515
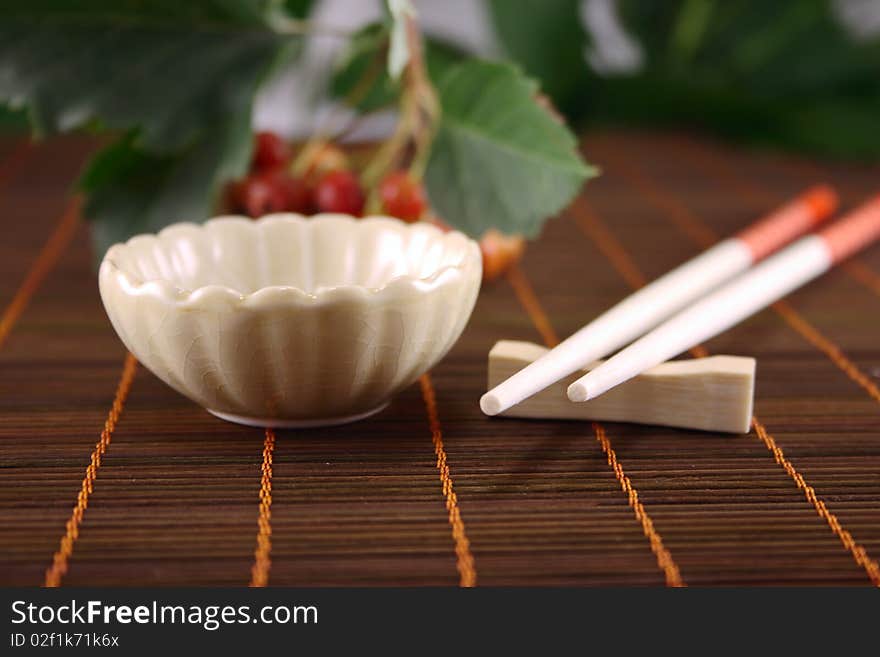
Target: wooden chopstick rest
711	394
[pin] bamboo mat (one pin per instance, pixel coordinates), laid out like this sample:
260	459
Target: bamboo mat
111	478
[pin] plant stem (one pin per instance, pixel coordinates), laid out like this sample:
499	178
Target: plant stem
324	134
427	107
419	112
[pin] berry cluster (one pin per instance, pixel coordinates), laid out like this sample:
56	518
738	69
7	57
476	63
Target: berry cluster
325	183
322	181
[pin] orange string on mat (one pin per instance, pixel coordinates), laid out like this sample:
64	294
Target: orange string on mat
464	559
615	252
529	301
607	244
60	560
811	334
664	558
532	306
858	552
585	218
263	551
44	263
863	274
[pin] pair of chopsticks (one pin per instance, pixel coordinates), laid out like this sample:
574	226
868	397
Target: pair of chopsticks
743	291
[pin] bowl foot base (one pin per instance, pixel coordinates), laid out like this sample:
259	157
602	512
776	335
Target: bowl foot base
275	423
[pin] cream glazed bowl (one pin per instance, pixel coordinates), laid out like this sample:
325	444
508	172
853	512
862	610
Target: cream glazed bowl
290	321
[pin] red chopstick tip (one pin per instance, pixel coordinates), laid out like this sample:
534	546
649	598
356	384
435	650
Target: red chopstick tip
855	231
799	216
823	201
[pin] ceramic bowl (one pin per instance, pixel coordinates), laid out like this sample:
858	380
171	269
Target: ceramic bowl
291	321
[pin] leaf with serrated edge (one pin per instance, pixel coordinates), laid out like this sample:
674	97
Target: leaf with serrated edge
133	192
549	45
168	69
499	160
178	78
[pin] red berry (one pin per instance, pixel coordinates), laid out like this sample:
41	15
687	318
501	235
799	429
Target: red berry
256	195
402	197
270	191
298	195
270	151
232	196
500	252
339	191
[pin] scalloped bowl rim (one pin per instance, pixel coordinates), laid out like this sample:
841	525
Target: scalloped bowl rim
181	296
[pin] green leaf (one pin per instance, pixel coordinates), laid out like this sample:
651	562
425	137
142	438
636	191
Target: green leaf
840	128
177	78
546	38
130	191
776	60
499	159
166	68
364	57
298	8
784	73
362	60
